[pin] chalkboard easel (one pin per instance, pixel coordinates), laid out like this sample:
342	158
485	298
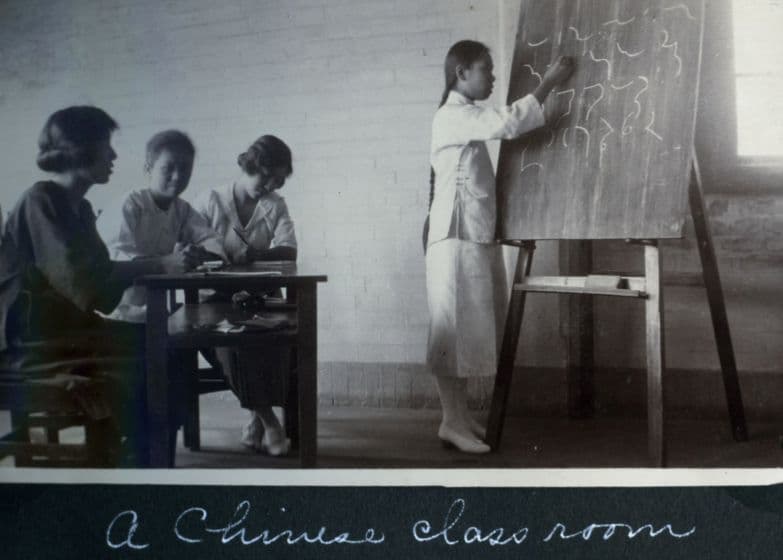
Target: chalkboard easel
647	288
614	161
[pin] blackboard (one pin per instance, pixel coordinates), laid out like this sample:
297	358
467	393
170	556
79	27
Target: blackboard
614	159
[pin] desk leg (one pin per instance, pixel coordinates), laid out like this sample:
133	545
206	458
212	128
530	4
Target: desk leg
307	362
158	427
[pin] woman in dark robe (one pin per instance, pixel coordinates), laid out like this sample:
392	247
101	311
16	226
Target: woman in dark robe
55	273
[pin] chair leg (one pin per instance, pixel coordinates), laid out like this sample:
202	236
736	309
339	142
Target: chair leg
192	422
103	443
172	447
190	429
52	435
19	422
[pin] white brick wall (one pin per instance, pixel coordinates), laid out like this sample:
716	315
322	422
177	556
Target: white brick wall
350	85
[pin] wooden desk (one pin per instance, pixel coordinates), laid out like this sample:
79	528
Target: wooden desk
164	333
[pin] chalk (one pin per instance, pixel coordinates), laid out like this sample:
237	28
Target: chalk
603	281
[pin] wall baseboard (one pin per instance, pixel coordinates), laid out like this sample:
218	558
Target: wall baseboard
542	391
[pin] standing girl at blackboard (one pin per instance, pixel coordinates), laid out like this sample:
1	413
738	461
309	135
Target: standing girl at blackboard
466	284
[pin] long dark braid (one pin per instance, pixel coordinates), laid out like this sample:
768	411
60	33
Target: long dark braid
462	53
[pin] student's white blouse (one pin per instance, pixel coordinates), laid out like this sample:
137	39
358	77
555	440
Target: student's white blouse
464	178
142	229
270	225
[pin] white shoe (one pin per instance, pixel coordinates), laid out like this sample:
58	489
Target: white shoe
475	426
465	442
275	443
253	434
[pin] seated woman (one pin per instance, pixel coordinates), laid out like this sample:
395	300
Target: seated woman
153	222
55	272
253	221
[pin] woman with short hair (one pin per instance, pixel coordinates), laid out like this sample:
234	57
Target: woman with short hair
55	273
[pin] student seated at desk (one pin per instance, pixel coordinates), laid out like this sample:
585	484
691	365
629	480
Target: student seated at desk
152	222
55	272
253	221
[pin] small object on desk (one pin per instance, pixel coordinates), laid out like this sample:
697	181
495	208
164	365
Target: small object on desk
208	266
604	281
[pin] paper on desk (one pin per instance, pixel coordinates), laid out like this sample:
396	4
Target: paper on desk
268	321
246	273
225	326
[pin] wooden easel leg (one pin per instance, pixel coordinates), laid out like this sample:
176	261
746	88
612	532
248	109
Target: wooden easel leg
655	355
576	324
720	322
508	350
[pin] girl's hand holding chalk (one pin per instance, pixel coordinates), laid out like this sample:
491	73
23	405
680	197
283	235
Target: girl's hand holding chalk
556	74
560	71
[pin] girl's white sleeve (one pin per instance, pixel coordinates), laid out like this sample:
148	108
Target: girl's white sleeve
196	230
473	123
126	246
283	234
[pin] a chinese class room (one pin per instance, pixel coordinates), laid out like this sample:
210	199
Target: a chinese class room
519	234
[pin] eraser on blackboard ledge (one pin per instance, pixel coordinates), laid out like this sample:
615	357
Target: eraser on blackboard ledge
603	281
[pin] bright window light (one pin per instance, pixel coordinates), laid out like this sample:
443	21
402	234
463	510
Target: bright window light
758	46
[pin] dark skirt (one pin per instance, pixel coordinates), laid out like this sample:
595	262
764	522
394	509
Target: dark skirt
258	378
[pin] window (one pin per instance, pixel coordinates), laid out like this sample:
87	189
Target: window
758	48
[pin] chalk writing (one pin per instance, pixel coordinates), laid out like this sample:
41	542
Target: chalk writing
602	142
618	88
605	60
533	72
586	133
571	91
627	53
551	137
626	129
649	129
593	110
681	7
582	39
618	22
590	108
667	45
533	164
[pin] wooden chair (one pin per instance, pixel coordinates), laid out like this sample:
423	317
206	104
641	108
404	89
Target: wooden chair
41	404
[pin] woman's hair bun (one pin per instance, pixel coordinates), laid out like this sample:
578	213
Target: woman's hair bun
267	151
69	136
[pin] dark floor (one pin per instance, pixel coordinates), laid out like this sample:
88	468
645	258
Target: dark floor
404	438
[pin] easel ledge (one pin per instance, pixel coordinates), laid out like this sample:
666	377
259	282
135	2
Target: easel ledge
647	287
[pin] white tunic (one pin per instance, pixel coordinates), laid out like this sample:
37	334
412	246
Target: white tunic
145	230
466	284
270	225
